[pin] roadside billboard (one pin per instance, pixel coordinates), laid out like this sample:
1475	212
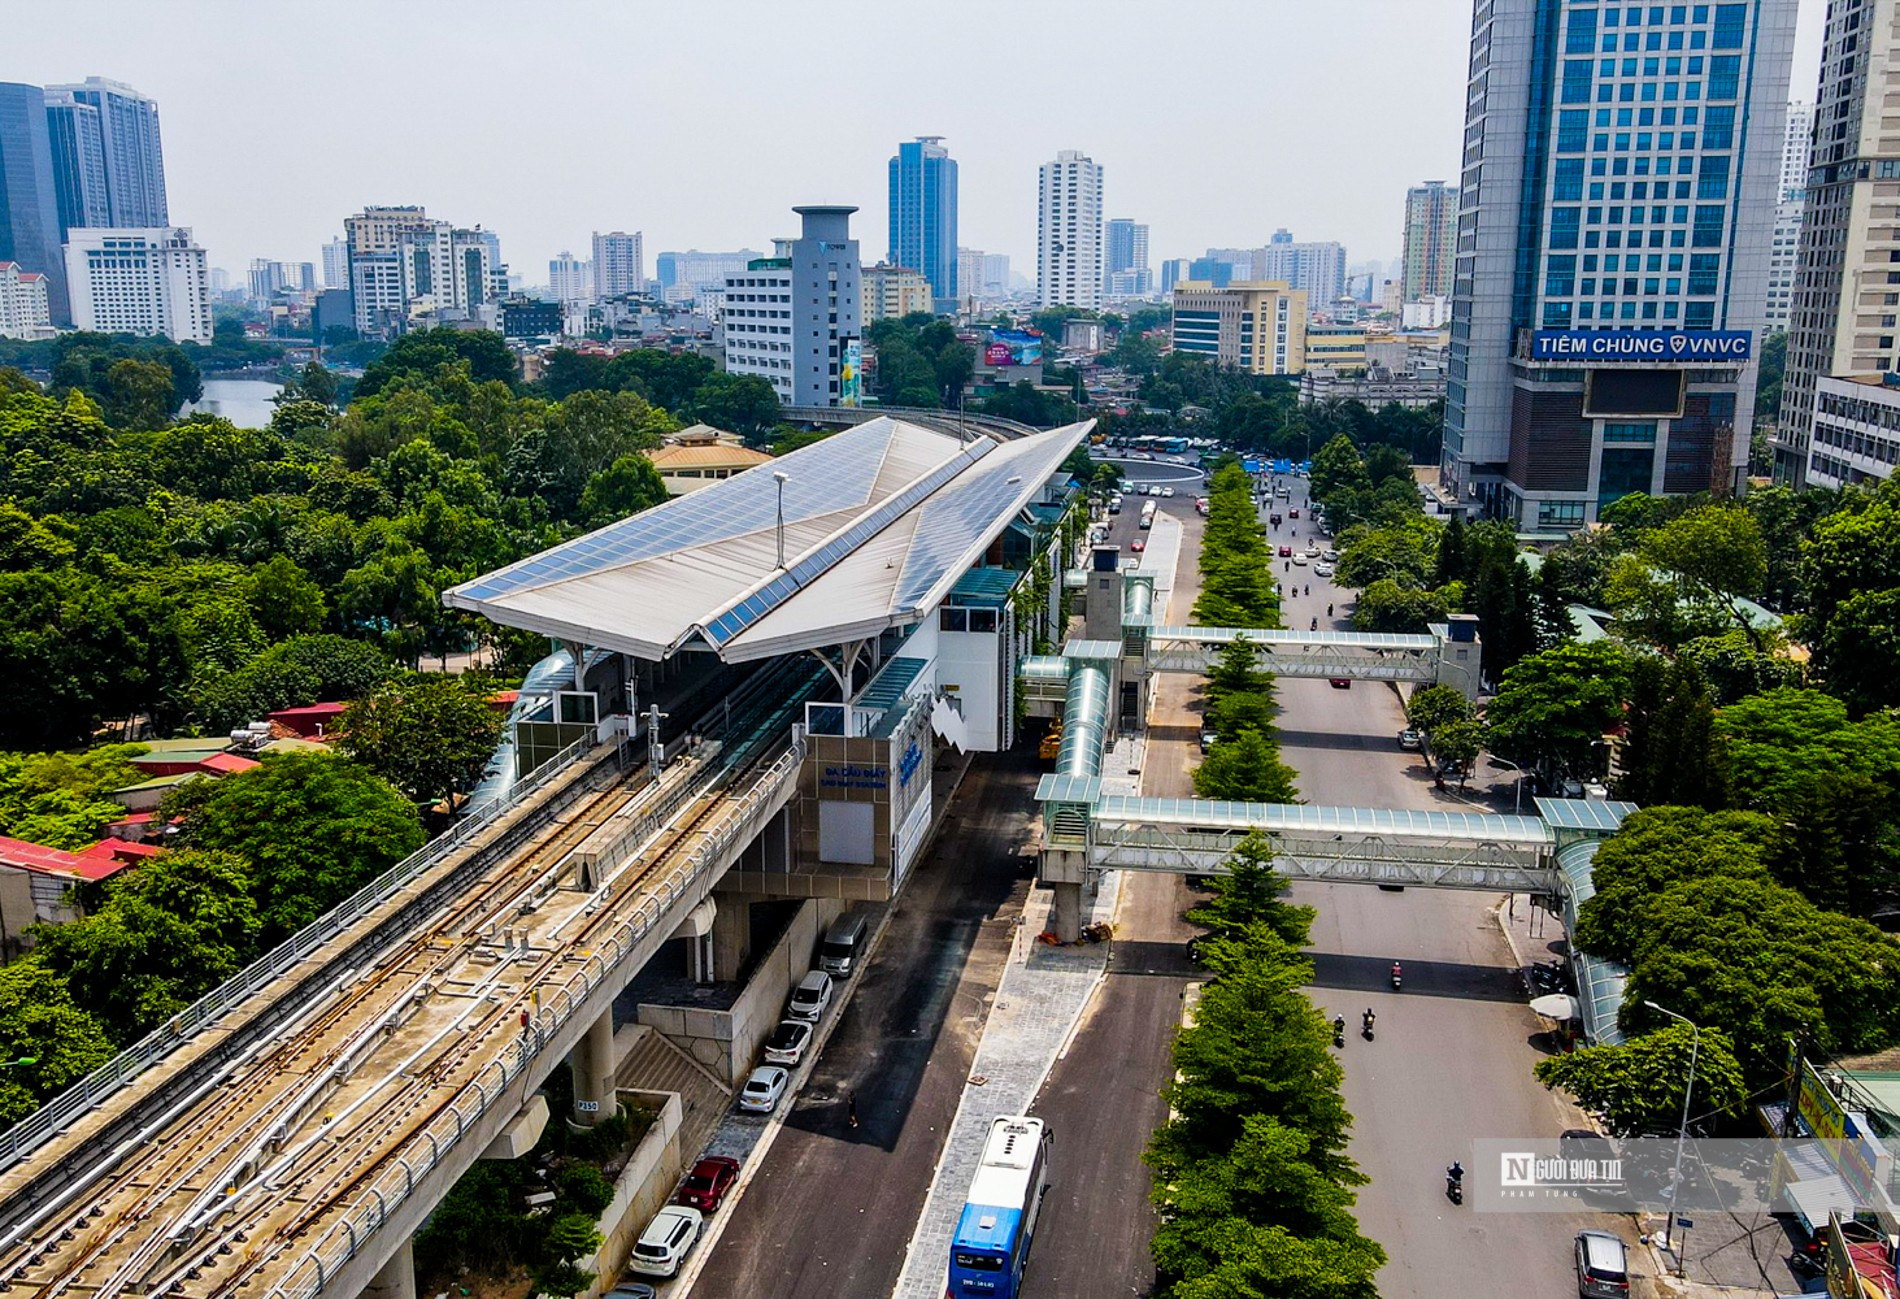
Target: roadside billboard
1013	347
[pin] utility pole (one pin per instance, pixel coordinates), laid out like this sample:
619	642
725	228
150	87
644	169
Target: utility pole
656	749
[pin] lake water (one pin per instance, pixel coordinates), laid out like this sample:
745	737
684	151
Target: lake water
245	402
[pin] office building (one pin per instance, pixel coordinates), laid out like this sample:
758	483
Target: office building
269	278
1856	433
1258	326
1125	272
923	214
892	292
1431	238
570	279
793	319
1789	207
1069	232
1847	267
24	309
79	163
1316	269
982	275
694	276
408	268
336	264
133	157
619	264
1175	271
1614	226
131	281
29	202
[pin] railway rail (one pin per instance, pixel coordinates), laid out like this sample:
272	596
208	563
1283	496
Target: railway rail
272	1154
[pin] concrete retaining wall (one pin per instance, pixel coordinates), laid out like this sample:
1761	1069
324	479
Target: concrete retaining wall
645	1184
728	1041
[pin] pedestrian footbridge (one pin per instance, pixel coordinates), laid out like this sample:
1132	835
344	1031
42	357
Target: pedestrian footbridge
1548	854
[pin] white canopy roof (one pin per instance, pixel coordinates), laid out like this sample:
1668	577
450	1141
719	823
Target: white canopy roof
880	522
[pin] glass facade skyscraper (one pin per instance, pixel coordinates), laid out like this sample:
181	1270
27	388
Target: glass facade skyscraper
133	155
1620	169
923	213
29	207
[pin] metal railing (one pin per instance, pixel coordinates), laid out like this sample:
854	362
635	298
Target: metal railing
83	1096
431	1145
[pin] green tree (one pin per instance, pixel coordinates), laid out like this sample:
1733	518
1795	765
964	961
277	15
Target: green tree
138	394
166	934
1635	1087
313	827
39	1021
1246	769
430	736
739	403
1435	706
1671	755
626	487
1456	745
1552	708
1250	893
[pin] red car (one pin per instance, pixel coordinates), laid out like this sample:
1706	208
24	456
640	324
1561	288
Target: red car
1138	545
1293	514
707	1184
1286	552
1341	683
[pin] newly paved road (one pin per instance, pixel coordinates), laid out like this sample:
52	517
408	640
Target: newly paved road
1452	1056
830	1210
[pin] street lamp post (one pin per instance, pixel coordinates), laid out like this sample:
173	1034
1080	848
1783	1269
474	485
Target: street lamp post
779	476
1517	800
1682	1132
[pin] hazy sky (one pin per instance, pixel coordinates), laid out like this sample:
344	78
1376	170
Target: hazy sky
701	122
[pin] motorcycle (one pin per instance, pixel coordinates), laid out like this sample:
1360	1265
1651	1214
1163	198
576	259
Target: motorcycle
1398	977
1339	1031
1455	1184
1315	624
1365	1025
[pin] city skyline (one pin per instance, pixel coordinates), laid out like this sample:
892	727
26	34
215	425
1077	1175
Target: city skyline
603	174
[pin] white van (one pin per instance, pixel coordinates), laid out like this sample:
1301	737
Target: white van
838	953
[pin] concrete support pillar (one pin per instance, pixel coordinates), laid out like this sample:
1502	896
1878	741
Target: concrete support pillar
731	938
594	1063
397	1280
1065	913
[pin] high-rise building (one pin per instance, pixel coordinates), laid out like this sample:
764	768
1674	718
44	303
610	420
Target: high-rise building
1846	276
694	276
133	155
1613	236
79	163
24	309
126	280
793	319
619	264
407	267
893	292
1069	232
1175	271
1259	327
923	214
29	202
1317	269
1431	238
570	279
1125	272
336	264
1790	205
375	239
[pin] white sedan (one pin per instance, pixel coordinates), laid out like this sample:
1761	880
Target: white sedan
1322	570
762	1089
1167	491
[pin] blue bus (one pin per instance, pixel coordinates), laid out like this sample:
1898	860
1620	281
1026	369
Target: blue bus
999	1216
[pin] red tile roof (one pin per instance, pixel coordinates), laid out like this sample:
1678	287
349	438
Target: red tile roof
227	764
41	860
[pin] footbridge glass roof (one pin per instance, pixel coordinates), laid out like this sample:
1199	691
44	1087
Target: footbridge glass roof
1261	636
1300	819
880	520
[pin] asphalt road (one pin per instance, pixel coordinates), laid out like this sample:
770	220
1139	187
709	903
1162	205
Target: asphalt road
830	1211
1452	1057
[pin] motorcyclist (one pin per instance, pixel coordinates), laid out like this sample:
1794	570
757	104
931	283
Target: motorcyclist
1316	624
1329	611
1308	590
1397	974
1365	1020
1339	1026
1455	1180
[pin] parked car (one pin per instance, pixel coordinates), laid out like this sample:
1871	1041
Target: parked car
788	1042
706	1185
632	1290
1340	683
1411	739
763	1087
1167	491
1603	1270
663	1246
1208	736
811	997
